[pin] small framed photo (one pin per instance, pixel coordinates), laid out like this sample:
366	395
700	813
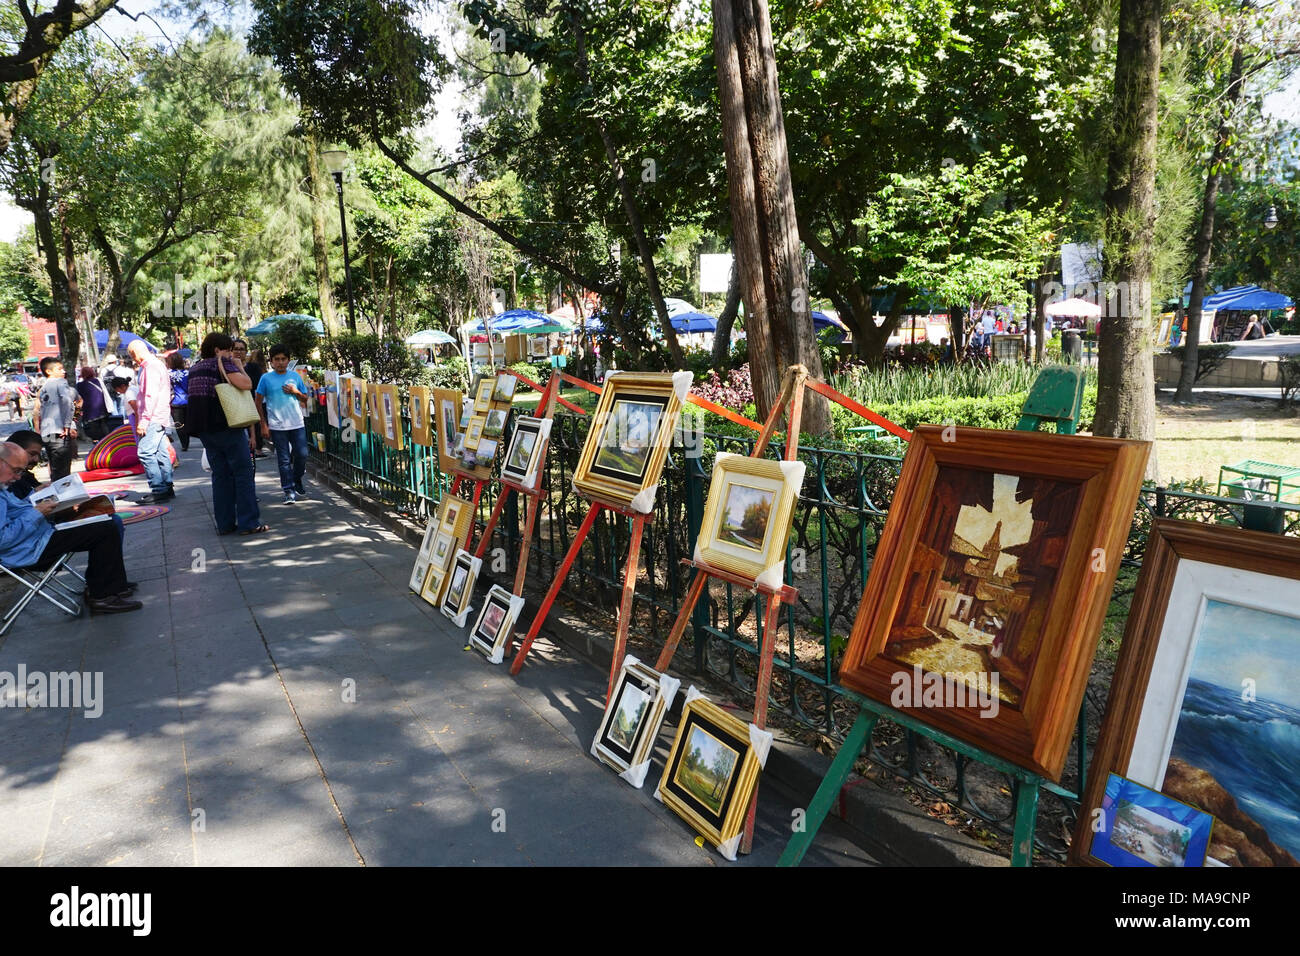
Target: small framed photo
447	403
483	395
444	546
1139	826
423	556
505	388
474	433
495	621
460	586
712	771
495	422
627	734
523	459
747	516
421	412
631	429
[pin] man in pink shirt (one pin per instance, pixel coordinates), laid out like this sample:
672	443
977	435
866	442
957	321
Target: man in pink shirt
153	420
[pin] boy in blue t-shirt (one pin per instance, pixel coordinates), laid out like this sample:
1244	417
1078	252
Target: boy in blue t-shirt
281	395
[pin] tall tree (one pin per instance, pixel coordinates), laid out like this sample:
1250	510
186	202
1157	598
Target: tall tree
1126	377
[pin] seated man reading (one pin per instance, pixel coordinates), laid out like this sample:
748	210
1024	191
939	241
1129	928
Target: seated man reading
28	540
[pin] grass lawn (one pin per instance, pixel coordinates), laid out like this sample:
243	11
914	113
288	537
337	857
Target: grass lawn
1192	441
526	399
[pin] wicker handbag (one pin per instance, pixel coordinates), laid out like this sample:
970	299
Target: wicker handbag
236	403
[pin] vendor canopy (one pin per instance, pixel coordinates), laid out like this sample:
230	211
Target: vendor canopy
123	340
427	338
1246	298
1074	308
512	320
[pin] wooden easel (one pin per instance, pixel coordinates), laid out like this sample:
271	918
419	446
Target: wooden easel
791	397
532	496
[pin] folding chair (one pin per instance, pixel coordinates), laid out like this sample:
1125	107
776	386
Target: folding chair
47	585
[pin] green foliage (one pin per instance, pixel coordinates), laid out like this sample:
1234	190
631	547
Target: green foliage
539	372
1000	411
299	336
14	341
449	373
380	360
873	387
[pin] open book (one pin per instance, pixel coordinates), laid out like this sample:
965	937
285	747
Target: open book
68	492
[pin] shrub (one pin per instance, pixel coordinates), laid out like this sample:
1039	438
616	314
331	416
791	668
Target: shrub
539	372
298	336
1208	357
449	373
380	360
735	393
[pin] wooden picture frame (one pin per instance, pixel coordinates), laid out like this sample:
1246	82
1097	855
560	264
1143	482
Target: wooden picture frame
713	794
421	568
421	410
495	622
991	582
523	461
483	394
375	410
451	525
1204	701
626	737
747	516
631	429
357	406
448	403
390	416
474	433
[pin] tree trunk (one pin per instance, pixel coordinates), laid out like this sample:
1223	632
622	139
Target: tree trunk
1126	379
70	337
319	243
726	320
48	246
1205	234
773	279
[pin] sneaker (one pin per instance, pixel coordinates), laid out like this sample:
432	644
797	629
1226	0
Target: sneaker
301	493
290	497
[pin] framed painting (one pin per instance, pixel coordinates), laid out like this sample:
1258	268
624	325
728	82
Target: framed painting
1205	701
421	569
376	410
333	397
483	394
359	414
420	411
466	413
390	416
636	709
447	403
523	461
345	397
504	390
631	430
492	629
1139	826
712	771
451	526
747	516
460	586
486	452
474	433
990	585
494	423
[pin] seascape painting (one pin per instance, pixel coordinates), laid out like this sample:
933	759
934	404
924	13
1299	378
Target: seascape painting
705	768
981	578
628	438
1236	745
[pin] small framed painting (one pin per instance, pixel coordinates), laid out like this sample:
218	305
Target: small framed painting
1204	704
1139	826
420	411
444	546
466	413
460	586
523	461
636	709
712	771
486	452
504	391
450	526
332	399
390	416
492	629
376	410
448	403
359	412
474	433
421	569
747	516
483	394
992	576
624	453
495	422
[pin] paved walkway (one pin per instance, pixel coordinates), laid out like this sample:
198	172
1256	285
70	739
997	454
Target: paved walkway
226	738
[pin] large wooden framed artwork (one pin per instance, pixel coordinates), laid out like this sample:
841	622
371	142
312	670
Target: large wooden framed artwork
631	430
373	391
990	584
1204	705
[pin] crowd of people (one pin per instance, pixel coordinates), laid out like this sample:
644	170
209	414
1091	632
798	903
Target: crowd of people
164	403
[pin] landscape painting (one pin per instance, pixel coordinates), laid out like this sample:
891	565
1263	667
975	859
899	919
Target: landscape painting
457	590
1141	827
521	452
745	516
495	423
632	704
981	578
493	615
706	768
505	388
1236	744
628	438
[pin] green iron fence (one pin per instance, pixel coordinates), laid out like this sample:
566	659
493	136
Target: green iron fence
839	518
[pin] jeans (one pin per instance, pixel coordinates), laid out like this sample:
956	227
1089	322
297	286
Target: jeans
156	458
61	453
291	456
178	419
234	498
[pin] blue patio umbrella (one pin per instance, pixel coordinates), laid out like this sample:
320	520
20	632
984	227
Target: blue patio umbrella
123	340
268	325
693	322
512	320
427	338
823	321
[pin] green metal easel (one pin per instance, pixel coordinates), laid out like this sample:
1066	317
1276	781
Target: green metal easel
1056	396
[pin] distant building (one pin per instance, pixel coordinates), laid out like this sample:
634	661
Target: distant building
43	336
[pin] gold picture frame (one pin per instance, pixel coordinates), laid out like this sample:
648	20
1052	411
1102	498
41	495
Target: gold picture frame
711	792
747	516
420	410
451	523
631	430
447	404
357	405
376	410
390	416
474	433
483	394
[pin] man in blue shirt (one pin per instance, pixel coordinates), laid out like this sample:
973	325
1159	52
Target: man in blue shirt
281	395
28	540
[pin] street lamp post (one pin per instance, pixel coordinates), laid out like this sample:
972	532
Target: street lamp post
1270	219
336	161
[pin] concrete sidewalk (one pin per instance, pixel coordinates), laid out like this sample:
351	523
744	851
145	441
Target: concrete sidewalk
227	736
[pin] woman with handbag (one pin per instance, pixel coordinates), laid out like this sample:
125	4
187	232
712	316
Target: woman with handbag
220	408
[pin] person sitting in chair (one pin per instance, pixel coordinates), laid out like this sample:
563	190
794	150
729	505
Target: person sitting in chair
28	540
